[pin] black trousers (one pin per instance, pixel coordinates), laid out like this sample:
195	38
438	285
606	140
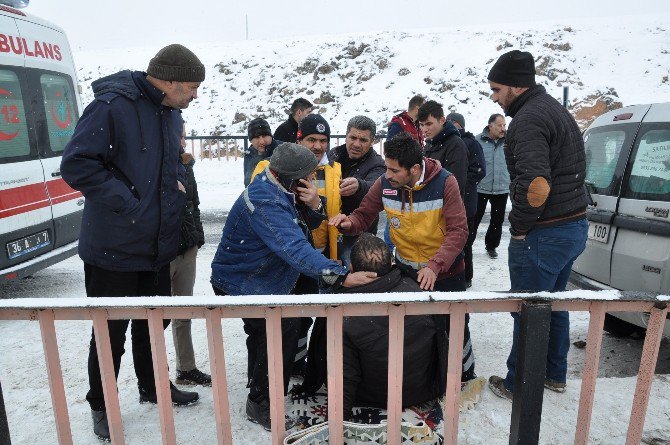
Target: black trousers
106	283
494	232
472	233
456	283
257	352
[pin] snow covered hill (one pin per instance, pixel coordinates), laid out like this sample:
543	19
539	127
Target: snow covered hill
614	61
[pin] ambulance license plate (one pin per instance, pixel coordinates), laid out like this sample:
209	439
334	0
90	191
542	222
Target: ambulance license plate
28	244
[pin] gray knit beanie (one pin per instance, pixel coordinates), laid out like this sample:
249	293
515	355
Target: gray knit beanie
176	63
292	161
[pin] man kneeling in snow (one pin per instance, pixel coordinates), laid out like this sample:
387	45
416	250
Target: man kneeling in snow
366	342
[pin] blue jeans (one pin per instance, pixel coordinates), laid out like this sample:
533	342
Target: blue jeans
542	262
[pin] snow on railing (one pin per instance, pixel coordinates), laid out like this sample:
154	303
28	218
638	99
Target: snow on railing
535	310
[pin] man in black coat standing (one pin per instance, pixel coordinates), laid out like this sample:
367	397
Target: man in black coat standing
545	157
444	143
288	130
476	172
361	166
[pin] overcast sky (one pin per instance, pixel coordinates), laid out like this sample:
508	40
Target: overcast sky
120	23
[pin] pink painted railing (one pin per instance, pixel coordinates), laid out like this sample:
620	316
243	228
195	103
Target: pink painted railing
334	308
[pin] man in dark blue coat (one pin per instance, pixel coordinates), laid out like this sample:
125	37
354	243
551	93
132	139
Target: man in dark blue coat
124	158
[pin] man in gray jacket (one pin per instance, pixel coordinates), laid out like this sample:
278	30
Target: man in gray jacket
494	188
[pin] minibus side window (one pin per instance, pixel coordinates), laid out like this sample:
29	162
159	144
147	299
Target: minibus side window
14	139
650	171
60	110
604	147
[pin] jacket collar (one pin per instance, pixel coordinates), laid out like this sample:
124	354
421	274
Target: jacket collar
447	131
385	283
521	100
154	94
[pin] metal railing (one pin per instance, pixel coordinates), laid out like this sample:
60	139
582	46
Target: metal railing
535	311
235	146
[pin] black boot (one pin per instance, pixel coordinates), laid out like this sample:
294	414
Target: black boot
179	398
100	426
259	412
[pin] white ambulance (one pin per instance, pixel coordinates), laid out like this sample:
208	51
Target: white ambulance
40	215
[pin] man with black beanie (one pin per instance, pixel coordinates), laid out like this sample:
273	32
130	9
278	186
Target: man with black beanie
545	157
262	146
124	158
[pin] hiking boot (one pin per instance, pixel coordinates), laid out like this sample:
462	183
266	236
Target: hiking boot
179	398
259	412
497	385
100	426
492	253
470	393
193	377
554	385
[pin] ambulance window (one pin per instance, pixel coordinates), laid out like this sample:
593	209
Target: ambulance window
60	109
650	171
14	140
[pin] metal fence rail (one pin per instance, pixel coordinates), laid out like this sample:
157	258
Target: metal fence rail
217	146
525	418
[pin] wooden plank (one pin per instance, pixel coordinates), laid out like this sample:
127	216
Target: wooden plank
219	383
161	375
335	377
395	369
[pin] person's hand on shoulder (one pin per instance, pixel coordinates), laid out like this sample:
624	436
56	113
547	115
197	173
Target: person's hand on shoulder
426	278
359	278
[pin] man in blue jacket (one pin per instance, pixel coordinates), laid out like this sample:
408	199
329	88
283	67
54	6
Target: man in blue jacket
264	249
124	158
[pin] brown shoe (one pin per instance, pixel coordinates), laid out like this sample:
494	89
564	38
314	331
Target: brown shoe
497	385
554	385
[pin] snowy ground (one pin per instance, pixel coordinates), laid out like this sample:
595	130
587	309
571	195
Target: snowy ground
25	387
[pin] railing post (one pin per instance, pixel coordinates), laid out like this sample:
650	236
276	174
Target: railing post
531	363
4	426
275	374
335	379
395	369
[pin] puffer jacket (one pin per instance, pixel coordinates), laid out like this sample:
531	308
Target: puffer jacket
496	181
545	157
124	158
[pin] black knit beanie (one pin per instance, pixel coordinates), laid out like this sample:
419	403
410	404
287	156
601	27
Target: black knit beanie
176	63
258	127
514	69
292	161
313	124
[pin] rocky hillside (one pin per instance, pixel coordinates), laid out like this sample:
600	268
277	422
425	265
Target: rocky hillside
607	63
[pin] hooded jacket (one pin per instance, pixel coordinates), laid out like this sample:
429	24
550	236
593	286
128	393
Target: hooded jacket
427	222
449	149
496	181
544	150
124	158
366	347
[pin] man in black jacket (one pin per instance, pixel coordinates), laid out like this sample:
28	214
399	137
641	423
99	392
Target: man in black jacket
182	275
288	130
545	157
476	172
444	143
361	166
262	146
366	343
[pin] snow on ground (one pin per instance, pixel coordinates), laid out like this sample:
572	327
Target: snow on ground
26	393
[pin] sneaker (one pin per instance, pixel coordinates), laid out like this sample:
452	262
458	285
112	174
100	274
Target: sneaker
470	393
259	412
492	253
193	377
100	426
497	385
468	284
179	398
554	385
